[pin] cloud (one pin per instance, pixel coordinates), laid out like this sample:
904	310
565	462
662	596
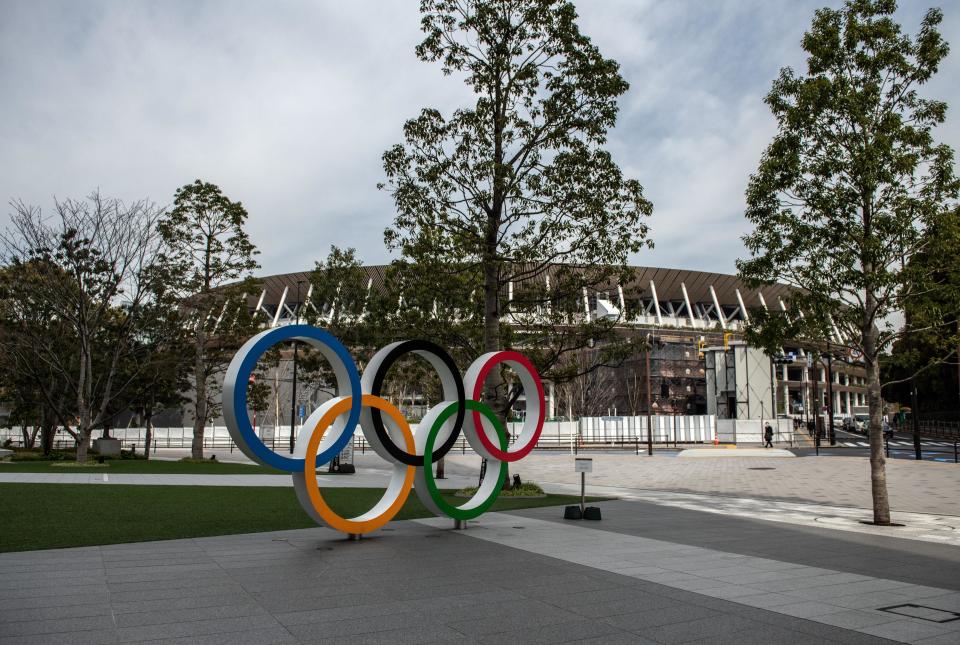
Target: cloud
289	105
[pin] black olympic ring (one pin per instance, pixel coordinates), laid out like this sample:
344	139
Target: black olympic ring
422	347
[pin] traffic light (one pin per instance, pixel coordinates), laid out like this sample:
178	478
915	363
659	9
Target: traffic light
701	344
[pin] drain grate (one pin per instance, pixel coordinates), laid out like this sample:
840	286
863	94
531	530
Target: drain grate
761	468
930	614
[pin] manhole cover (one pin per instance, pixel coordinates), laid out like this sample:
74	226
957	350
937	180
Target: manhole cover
930	614
762	468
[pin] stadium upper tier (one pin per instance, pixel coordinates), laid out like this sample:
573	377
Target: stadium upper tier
653	296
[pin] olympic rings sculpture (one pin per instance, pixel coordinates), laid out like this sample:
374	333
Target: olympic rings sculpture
329	428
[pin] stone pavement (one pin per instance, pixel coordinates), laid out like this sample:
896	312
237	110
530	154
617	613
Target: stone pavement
914	486
645	574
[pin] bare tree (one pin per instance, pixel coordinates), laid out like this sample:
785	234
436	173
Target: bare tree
90	266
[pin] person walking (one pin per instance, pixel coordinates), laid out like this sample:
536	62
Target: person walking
768	436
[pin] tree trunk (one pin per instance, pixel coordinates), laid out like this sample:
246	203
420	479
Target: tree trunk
27	439
84	445
47	432
200	401
493	394
148	422
878	468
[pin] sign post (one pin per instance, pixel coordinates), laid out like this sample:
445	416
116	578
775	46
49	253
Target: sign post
583	465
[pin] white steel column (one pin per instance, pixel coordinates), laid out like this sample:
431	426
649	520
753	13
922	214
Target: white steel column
763	302
283	299
551	403
716	304
743	307
686	300
308	300
586	304
549	302
623	304
656	302
263	294
366	297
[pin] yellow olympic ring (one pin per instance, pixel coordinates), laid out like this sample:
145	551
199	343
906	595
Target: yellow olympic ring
393	498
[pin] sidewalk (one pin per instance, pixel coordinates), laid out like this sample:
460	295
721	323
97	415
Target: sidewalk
645	574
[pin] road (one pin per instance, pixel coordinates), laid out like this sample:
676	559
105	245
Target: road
901	447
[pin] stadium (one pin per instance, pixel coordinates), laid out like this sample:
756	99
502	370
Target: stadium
685	311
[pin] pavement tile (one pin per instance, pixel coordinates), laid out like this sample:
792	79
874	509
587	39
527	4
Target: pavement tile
943	639
656	617
806	609
625	638
856	619
698	629
57	625
195	628
619	607
261	636
908	630
354	626
163	617
88	637
554	633
52	610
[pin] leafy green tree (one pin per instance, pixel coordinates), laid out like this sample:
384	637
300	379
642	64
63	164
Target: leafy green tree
848	189
503	191
210	257
928	358
161	363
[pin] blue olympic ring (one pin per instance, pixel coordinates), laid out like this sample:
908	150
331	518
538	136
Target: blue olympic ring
238	375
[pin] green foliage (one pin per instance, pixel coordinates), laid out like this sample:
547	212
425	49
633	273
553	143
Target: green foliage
848	190
77	287
527	489
207	244
512	188
208	258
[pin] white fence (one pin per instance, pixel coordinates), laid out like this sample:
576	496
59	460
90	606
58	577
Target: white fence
556	434
666	429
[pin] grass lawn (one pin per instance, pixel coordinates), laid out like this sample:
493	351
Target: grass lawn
50	516
152	467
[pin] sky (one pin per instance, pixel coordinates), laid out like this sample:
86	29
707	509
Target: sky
288	107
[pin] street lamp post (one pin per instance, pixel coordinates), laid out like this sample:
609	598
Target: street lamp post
917	452
293	402
831	433
649	417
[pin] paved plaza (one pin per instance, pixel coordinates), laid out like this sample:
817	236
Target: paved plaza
645	574
725	550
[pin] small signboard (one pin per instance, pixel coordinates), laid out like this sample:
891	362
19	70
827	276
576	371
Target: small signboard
583	465
346	455
302	411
